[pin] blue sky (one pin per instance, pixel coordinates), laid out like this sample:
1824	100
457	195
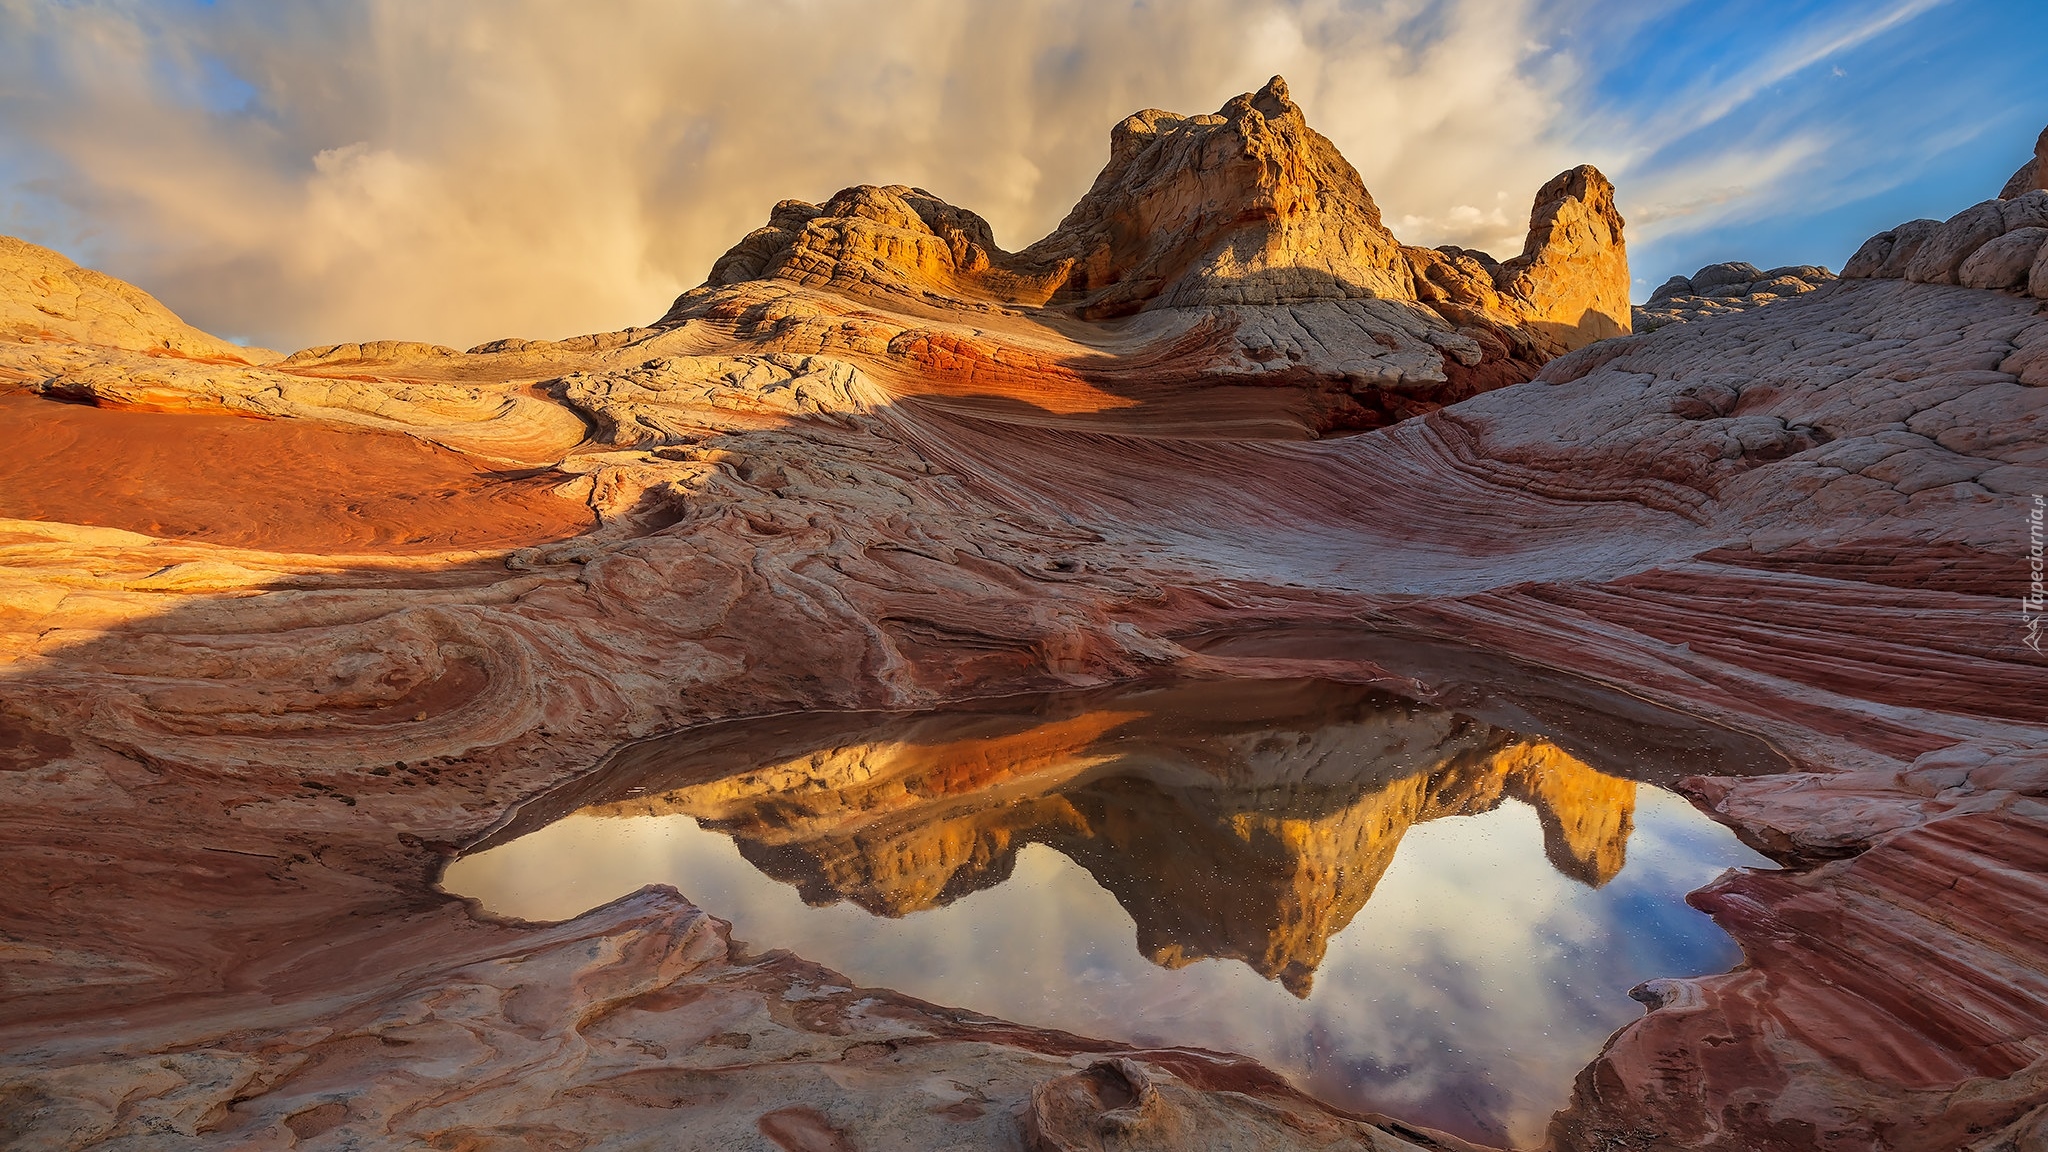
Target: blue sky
1924	117
302	173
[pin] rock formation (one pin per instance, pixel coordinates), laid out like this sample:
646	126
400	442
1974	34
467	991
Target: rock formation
1998	244
1572	275
2031	175
1722	288
1208	225
44	296
234	769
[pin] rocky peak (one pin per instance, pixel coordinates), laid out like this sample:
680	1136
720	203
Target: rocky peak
2032	175
1572	274
1248	205
892	239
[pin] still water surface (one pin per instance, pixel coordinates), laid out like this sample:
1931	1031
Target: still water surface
1402	908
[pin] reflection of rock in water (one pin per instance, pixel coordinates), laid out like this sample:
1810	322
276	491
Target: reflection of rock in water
1229	822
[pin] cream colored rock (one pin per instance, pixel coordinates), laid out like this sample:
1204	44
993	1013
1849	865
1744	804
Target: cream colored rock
384	351
2029	210
1248	208
1941	255
2003	262
44	296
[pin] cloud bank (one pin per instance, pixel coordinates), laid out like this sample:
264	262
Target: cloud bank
420	169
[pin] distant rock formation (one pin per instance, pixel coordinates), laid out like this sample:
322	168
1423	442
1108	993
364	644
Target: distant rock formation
1718	289
44	296
1246	207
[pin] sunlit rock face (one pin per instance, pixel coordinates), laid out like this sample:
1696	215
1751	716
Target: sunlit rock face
1247	241
1246	206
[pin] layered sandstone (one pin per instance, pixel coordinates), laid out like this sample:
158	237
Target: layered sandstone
1207	226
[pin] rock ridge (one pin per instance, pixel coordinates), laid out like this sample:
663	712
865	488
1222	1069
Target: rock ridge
46	297
1245	206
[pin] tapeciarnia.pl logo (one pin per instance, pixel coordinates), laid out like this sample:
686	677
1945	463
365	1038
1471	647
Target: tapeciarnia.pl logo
2032	603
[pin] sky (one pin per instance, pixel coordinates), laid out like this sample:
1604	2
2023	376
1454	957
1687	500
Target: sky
292	174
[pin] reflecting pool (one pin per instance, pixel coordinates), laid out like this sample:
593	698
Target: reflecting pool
1403	908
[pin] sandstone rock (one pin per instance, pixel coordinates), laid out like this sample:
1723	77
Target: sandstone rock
1941	255
1719	275
2025	211
2005	261
44	296
1573	270
1246	206
1725	296
233	772
1676	286
1869	259
1810	273
1907	240
2037	278
1785	285
382	351
2032	175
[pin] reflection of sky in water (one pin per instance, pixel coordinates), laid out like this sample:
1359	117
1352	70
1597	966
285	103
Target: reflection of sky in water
1467	994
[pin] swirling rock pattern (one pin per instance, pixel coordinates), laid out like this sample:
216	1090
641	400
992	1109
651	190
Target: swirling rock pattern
232	770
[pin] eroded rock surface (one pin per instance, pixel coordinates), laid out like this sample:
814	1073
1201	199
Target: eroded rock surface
1997	244
44	296
233	772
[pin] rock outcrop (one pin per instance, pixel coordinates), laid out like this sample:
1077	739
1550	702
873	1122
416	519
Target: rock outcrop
1999	244
1718	289
1572	276
44	296
2032	175
1204	224
1246	206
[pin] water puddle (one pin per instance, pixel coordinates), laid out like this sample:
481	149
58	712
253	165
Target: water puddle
1403	908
